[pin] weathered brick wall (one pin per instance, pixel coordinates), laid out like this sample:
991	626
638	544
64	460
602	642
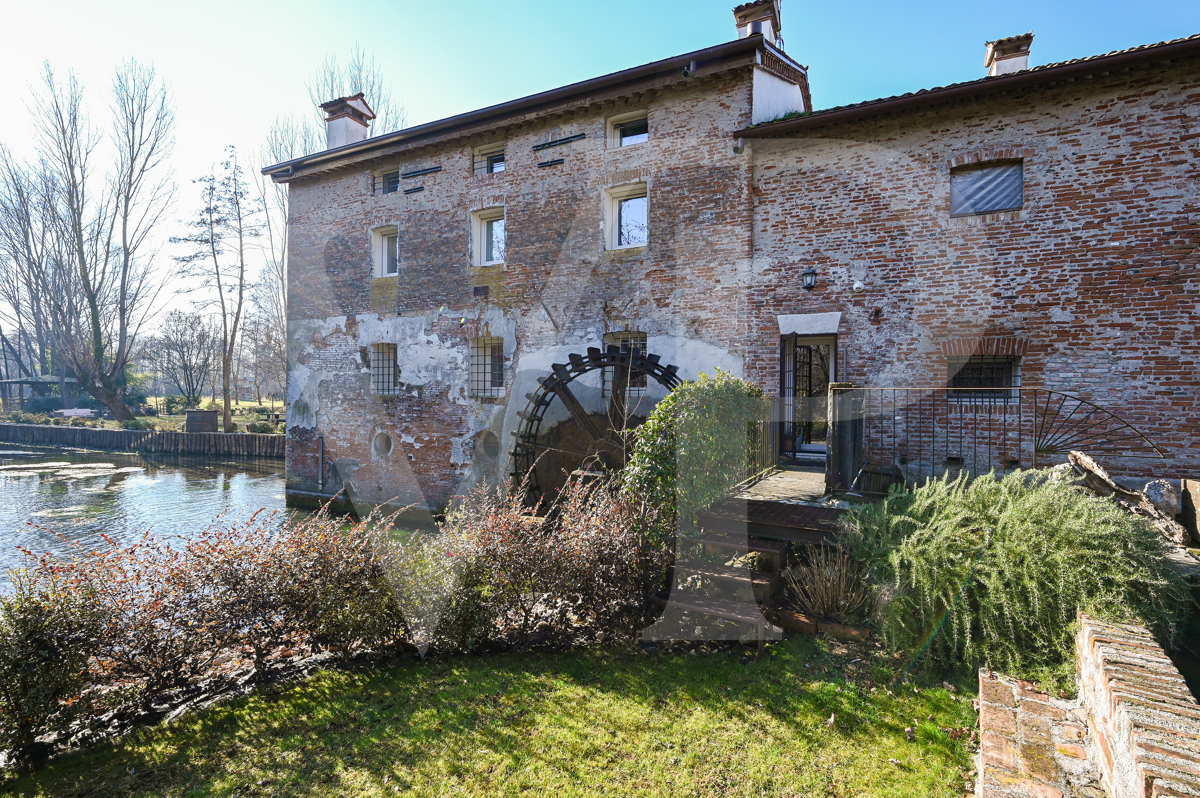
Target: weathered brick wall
558	292
1097	275
1143	718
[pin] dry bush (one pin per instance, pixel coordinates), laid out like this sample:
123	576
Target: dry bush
829	583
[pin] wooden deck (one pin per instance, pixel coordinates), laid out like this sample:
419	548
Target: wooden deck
782	506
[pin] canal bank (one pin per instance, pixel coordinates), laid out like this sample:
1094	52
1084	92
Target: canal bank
210	444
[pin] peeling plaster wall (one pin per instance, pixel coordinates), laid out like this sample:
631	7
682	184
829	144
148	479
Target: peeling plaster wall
558	291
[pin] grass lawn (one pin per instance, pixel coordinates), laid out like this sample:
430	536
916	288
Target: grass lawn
589	722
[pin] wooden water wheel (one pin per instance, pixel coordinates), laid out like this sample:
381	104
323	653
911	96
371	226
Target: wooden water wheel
588	441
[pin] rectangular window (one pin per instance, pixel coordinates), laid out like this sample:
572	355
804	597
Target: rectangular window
984	378
631	222
627	129
384	370
987	189
487	366
388	182
391	250
634	132
385	250
488	159
627	340
489	238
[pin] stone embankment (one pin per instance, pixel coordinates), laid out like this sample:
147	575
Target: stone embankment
1133	732
214	444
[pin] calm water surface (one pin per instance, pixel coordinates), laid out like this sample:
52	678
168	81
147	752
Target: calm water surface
82	494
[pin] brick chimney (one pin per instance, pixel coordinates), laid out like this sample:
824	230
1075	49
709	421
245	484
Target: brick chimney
759	17
347	120
1009	55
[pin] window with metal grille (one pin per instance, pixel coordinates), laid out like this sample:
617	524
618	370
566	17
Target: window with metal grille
987	188
627	340
488	159
387	183
987	378
384	370
487	366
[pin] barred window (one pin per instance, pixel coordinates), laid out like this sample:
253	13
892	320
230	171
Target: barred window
627	340
984	377
388	182
987	189
634	132
488	159
487	366
384	370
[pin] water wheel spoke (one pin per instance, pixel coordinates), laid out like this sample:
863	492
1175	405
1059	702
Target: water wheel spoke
578	412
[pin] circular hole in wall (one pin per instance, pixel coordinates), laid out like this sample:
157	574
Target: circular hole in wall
382	444
490	444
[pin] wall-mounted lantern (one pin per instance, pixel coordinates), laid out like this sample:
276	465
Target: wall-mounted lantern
810	279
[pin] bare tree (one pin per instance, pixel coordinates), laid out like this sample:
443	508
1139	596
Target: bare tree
188	350
223	232
360	73
80	236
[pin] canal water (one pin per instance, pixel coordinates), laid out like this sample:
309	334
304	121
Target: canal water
51	497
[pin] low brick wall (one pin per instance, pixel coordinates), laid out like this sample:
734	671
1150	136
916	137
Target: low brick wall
1145	722
1032	745
215	444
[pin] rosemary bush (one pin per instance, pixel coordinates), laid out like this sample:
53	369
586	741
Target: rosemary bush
996	570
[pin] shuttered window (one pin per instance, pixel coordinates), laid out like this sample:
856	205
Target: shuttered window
987	188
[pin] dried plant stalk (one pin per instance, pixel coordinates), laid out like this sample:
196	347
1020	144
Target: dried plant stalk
828	583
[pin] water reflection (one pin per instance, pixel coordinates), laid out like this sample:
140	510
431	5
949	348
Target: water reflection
82	494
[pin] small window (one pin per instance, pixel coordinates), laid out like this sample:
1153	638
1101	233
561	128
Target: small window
629	216
489	236
384	370
488	159
984	378
627	129
387	183
987	189
386	246
633	132
627	340
487	366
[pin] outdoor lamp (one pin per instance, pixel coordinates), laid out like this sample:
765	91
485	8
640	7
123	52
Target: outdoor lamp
810	279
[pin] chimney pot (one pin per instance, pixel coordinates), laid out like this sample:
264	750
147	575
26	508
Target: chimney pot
1005	56
758	18
347	120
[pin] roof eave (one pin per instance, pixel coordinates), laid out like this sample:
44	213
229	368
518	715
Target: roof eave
500	113
990	85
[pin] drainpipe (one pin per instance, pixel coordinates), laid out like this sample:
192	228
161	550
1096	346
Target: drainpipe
321	462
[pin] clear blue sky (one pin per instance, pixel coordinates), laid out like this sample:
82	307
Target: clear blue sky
235	65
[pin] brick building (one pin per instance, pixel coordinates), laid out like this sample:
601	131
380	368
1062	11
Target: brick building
697	209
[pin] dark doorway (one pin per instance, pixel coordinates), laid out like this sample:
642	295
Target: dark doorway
805	371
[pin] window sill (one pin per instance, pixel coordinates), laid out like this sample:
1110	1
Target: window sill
1012	214
386	276
626	253
493	264
487	400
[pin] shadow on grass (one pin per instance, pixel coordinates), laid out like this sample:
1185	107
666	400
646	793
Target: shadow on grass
589	722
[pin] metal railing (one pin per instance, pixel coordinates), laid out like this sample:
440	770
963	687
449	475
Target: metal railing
882	436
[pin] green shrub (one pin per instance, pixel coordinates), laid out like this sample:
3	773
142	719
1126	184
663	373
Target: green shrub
994	571
261	427
696	444
175	405
137	424
46	635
